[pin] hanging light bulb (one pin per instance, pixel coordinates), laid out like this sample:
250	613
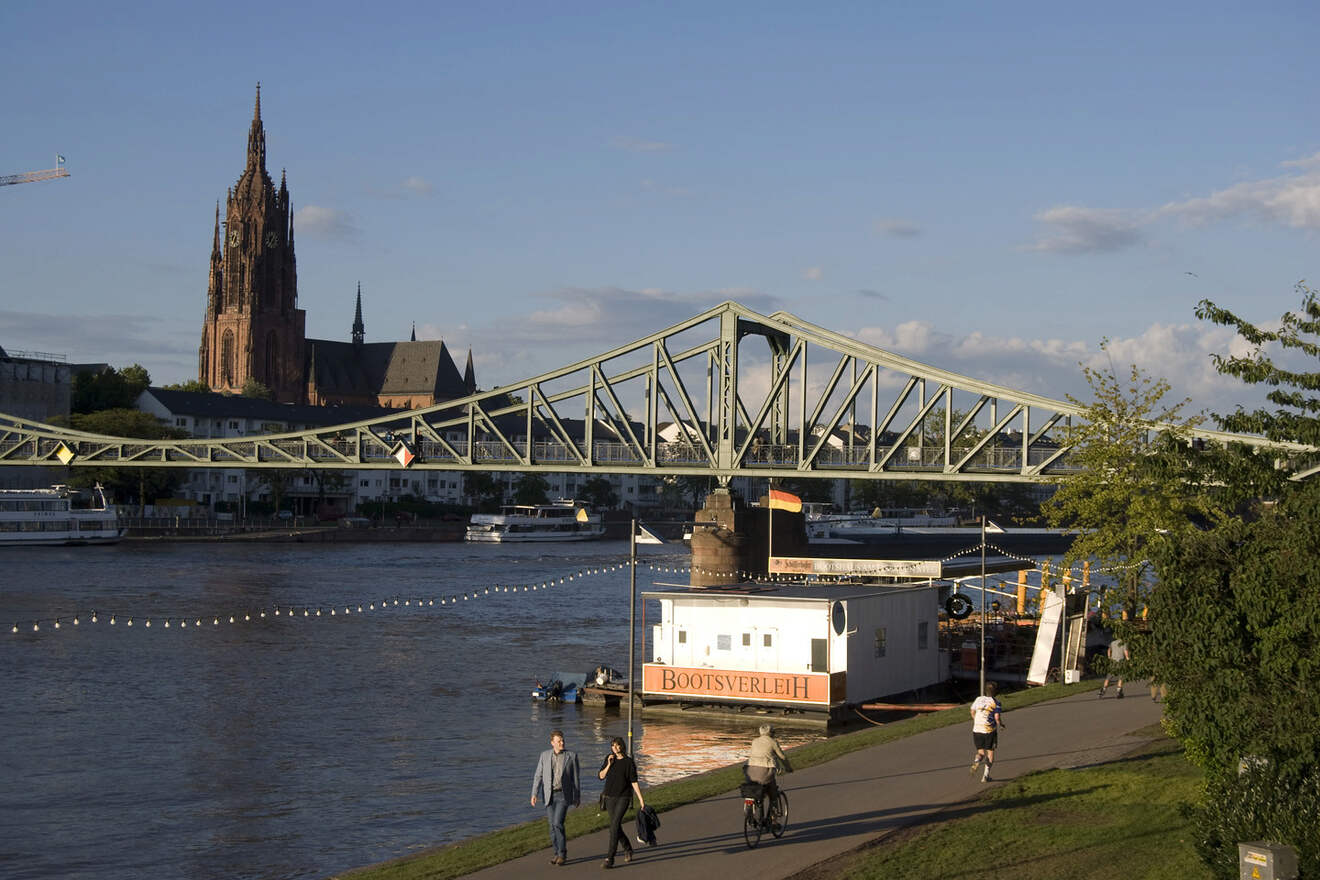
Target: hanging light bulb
75	621
148	624
57	623
167	624
93	617
112	620
247	617
318	612
130	621
215	621
36	627
231	618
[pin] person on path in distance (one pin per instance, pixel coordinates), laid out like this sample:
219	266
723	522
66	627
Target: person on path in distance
1118	660
987	719
765	755
619	772
556	778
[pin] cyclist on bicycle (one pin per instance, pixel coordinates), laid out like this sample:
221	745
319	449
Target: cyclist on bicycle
762	761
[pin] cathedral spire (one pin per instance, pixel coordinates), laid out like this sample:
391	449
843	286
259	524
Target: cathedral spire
257	137
470	375
414	332
359	332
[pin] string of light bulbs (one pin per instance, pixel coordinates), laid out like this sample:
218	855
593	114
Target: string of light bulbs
293	611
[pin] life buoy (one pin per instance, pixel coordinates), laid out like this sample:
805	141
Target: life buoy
958	606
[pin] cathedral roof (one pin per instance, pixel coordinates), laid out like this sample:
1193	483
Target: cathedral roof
384	368
211	404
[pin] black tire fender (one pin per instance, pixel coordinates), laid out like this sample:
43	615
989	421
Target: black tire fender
958	606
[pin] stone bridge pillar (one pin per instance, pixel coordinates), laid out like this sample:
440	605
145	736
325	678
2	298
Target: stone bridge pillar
738	544
719	550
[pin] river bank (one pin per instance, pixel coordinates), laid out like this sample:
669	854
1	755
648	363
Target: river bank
847	791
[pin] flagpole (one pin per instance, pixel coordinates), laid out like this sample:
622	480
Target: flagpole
982	604
632	628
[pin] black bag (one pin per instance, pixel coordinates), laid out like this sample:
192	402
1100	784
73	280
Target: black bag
752	789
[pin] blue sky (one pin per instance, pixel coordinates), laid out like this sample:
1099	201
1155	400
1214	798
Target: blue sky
989	188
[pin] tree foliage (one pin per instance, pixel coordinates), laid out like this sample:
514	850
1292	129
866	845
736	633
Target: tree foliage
1133	485
253	388
1236	614
599	493
108	389
143	484
196	385
531	488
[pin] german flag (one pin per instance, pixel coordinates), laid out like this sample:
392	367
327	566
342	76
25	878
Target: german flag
780	500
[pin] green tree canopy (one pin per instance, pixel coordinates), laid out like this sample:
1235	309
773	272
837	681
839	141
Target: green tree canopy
108	389
1235	614
531	488
1130	488
599	493
143	484
191	385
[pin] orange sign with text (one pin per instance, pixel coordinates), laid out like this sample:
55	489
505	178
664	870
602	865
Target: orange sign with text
747	685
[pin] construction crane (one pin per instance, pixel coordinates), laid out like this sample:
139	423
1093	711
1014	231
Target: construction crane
34	176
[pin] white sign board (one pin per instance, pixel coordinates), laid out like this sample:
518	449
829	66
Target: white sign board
1045	636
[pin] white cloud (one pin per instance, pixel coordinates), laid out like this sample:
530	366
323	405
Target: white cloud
1078	230
1291	200
317	221
894	228
1180	353
813	273
418	185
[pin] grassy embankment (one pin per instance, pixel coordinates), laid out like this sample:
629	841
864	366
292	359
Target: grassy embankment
510	843
1118	819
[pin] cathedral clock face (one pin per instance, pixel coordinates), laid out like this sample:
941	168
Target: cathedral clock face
272	238
233	238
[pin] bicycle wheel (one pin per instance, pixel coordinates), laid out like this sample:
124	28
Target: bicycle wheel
752	825
779	818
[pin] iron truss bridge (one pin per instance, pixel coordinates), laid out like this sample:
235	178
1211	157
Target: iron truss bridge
723	394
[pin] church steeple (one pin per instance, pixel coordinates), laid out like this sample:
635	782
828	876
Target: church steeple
359	331
413	338
256	154
470	376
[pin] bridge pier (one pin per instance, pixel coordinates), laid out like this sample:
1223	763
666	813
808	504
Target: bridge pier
737	543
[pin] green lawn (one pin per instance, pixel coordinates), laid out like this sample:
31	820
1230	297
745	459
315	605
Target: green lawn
1115	820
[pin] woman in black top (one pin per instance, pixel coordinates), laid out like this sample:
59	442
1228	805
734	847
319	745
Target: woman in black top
619	772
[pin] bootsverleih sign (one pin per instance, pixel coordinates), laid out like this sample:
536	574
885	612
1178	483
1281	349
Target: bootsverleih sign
748	685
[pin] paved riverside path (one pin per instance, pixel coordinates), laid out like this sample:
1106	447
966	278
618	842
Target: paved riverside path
840	805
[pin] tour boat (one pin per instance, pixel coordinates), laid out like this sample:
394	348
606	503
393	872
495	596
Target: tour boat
557	521
58	515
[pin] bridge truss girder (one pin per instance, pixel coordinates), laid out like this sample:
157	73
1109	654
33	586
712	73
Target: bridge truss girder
692	399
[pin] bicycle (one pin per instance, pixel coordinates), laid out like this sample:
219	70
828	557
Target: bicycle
755	823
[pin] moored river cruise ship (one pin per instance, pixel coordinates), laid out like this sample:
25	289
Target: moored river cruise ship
558	521
58	515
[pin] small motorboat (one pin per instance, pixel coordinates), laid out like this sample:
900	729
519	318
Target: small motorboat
561	687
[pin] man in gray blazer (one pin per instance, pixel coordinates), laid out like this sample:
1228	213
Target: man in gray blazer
556	778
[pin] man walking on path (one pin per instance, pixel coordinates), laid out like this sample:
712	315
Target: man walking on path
987	718
557	778
1118	658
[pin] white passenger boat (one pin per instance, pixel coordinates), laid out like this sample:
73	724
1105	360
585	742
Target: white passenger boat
58	515
557	521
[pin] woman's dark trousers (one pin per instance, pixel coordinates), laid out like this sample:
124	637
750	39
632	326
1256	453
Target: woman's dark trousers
617	806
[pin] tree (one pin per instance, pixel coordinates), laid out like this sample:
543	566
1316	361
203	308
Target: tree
253	388
144	484
531	488
482	491
1236	616
196	385
278	482
1129	490
599	493
94	391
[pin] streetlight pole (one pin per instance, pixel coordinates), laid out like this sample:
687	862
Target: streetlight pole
632	628
982	604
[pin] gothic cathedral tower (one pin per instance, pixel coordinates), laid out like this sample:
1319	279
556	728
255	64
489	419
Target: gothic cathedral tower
254	328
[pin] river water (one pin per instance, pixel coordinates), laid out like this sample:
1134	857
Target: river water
299	746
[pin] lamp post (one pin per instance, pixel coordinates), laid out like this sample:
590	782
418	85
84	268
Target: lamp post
982	652
632	628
